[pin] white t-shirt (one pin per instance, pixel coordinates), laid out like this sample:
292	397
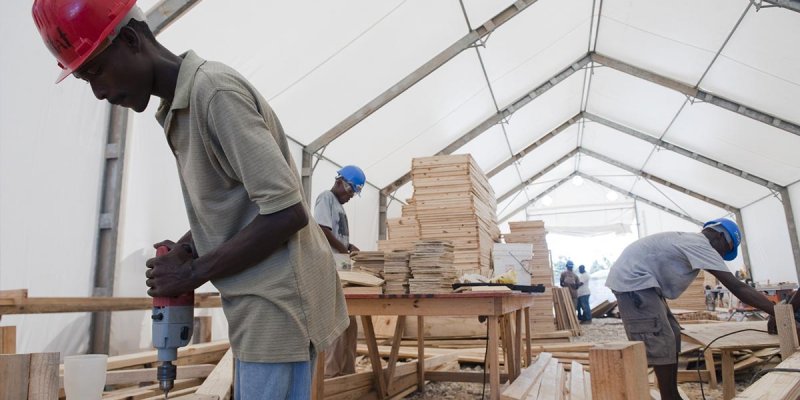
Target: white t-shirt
583	290
669	261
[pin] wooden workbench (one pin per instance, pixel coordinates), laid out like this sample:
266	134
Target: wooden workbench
704	334
500	308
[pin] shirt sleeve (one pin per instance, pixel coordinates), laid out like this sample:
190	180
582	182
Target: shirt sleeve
322	210
250	153
701	255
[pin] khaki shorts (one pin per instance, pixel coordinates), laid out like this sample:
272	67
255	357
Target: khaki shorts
647	318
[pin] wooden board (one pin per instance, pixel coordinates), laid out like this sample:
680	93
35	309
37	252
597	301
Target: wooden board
705	333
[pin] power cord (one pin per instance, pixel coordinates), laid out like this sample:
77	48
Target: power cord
699	375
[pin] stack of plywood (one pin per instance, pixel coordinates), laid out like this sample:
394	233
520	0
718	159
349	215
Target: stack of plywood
370	262
694	298
396	272
533	232
402	232
454	201
431	266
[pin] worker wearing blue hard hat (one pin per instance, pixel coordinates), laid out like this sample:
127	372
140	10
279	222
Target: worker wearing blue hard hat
662	266
329	213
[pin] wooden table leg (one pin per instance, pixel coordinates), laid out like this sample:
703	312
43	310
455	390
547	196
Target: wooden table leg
318	382
421	353
398	336
508	346
527	336
374	355
728	384
711	367
493	364
518	342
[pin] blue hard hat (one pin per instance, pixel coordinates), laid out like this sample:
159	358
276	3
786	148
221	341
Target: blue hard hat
353	176
570	264
733	231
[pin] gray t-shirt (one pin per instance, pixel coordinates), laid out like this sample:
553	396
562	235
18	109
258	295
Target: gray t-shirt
669	261
234	163
329	212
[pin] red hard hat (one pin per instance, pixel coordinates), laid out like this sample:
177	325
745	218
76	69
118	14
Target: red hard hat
72	29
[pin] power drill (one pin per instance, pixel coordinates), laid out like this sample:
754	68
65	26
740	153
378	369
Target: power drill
173	319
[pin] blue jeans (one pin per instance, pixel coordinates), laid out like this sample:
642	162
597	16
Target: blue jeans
274	381
584	311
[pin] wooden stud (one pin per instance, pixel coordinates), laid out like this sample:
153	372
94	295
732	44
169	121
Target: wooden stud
398	337
421	353
619	371
711	367
520	388
527	336
517	341
493	364
220	380
787	331
201	329
14	376
375	360
8	339
318	381
43	377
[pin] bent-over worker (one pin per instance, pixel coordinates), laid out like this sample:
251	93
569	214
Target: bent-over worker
662	266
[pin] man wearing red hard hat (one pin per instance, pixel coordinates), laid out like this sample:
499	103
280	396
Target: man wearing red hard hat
250	230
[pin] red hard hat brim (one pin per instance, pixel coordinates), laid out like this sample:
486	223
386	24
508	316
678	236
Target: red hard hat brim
64	73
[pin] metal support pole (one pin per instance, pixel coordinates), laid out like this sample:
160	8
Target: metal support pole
745	250
382	215
790	224
306	170
108	226
638	223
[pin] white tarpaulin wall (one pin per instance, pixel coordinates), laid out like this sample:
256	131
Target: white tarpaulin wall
319	62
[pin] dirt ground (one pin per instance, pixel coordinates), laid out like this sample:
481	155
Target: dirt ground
600	331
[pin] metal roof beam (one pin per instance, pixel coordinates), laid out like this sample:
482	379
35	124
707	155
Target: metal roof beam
499	116
639	198
651	177
697	93
420	73
163	14
535	145
534	178
793	5
533	200
684	152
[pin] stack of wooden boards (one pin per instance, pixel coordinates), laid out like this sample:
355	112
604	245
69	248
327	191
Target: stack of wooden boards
694	298
566	315
533	232
546	379
396	272
604	309
452	201
370	262
402	232
431	266
355	282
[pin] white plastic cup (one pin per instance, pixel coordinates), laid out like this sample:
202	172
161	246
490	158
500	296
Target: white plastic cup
85	376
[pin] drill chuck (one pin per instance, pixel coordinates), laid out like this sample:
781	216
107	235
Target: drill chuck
166	374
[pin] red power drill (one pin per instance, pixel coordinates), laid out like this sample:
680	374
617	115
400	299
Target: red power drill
173	319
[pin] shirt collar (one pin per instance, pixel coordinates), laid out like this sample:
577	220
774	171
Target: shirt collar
189	66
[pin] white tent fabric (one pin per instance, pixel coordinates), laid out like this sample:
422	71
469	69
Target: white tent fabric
320	62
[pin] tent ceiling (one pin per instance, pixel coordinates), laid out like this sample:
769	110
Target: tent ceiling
334	71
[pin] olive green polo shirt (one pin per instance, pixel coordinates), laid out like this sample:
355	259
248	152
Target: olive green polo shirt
234	163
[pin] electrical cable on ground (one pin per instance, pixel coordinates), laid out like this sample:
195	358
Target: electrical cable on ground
699	375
